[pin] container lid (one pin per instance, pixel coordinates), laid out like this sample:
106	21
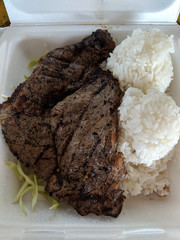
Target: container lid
92	11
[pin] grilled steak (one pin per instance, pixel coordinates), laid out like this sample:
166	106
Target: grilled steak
25	116
84	127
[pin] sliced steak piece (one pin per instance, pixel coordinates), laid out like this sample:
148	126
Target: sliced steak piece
25	116
59	74
84	126
30	139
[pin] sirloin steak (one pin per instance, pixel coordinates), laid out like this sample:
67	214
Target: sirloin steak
25	116
84	127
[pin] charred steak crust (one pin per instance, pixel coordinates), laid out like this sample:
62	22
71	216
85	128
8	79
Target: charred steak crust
25	116
59	74
84	126
61	123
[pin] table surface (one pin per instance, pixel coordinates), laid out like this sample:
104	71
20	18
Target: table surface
4	19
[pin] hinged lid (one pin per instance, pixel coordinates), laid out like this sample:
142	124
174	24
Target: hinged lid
92	11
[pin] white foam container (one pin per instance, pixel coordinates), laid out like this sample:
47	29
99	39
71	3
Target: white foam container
58	23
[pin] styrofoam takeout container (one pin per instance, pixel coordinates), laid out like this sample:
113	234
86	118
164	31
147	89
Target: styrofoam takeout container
57	23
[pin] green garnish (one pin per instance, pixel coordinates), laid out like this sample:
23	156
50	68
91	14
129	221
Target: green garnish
34	193
34	62
5	97
84	37
54	203
30	183
30	65
13	167
20	199
25	77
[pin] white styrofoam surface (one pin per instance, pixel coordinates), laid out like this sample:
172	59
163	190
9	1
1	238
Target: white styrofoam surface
143	218
92	11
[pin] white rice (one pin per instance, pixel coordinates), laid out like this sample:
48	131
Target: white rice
141	179
143	60
151	125
150	128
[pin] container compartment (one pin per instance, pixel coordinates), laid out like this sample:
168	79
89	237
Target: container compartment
142	217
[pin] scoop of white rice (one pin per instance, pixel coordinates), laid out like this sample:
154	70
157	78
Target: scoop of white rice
143	60
141	179
150	126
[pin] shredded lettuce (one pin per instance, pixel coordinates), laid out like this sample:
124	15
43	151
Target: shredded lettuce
25	77
35	61
34	194
54	203
85	36
30	65
20	199
4	97
30	183
21	191
13	167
